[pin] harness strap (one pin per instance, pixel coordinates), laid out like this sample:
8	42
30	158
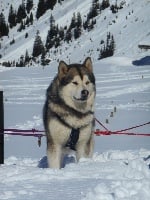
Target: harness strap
73	139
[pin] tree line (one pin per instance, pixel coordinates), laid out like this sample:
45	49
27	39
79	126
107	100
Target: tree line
57	35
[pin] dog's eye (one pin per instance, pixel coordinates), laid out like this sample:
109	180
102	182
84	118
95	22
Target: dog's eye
75	82
87	82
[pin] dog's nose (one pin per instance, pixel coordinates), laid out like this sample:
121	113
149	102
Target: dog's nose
84	94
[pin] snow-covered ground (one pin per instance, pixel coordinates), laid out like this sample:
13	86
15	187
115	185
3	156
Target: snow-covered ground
112	175
119	168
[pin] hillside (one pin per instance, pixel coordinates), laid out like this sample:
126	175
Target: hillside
129	26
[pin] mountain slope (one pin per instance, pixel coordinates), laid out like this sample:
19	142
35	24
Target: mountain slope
129	26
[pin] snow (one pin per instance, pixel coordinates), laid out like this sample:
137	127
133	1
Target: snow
120	167
110	175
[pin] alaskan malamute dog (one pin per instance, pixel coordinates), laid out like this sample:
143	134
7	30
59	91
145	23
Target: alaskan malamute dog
68	112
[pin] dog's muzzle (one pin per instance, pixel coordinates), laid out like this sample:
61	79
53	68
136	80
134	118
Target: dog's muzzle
84	95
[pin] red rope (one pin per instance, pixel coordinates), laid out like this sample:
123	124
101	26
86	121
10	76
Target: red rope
120	132
38	133
99	133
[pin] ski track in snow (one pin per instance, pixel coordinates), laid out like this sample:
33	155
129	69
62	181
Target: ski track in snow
31	90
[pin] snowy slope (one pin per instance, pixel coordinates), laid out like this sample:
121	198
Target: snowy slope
130	26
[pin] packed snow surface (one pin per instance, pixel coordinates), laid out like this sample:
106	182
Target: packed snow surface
119	169
112	175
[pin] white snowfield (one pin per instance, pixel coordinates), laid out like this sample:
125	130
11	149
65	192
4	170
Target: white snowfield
112	175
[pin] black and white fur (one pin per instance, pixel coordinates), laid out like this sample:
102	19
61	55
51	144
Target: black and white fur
70	105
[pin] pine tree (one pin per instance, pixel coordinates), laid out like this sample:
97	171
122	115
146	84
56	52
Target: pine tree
73	21
21	13
77	32
53	28
41	9
51	34
31	18
79	20
29	6
50	4
27	58
22	62
22	26
12	17
49	41
109	48
38	46
61	33
43	62
68	35
105	4
27	21
4	30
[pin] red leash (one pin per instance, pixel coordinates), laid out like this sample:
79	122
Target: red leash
120	132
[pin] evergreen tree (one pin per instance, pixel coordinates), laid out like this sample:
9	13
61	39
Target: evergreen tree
29	6
79	20
57	42
73	21
41	9
43	62
27	58
49	40
85	24
22	26
61	33
105	4
38	46
31	18
21	13
27	22
53	28
50	4
12	17
68	35
77	32
22	62
112	45
109	48
4	30
52	34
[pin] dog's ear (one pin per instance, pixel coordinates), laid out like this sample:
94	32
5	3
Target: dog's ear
88	64
62	69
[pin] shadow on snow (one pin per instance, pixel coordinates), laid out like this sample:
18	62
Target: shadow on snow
67	160
142	61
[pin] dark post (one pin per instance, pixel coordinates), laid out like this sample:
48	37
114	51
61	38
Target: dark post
1	128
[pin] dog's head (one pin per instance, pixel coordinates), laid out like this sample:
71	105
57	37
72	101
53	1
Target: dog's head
77	84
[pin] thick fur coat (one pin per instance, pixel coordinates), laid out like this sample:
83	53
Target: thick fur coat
70	105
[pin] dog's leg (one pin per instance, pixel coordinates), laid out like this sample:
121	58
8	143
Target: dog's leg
90	146
54	156
85	150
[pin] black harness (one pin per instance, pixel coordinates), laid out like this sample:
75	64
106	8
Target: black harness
73	139
74	135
